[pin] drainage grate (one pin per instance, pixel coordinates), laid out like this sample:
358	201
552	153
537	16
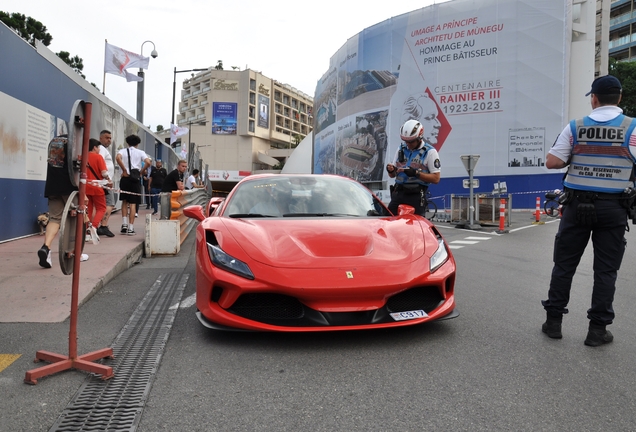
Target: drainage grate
117	404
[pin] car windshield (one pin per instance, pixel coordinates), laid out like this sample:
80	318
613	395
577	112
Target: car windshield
302	196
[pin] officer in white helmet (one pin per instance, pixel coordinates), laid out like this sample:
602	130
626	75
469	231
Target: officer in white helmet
415	166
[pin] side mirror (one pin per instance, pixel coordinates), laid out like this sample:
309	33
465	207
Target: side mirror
213	204
404	209
194	212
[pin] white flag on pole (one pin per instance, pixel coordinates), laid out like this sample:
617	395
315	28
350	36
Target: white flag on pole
176	132
117	60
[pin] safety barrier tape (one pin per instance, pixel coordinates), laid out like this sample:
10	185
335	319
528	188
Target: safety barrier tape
508	193
150	194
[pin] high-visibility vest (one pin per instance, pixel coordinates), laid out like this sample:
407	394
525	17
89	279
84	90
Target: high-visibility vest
601	160
412	159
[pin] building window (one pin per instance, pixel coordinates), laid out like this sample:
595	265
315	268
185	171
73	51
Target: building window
252	84
251	125
253	98
251	112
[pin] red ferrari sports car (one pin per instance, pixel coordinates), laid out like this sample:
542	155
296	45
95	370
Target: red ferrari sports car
296	253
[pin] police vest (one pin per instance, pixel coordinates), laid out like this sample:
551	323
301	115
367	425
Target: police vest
412	159
601	160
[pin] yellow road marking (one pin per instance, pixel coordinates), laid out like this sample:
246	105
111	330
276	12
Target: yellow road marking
7	359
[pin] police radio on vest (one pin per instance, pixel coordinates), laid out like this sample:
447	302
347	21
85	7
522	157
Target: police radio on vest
600	133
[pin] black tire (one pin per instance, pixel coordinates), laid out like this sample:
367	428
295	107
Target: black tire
551	208
430	210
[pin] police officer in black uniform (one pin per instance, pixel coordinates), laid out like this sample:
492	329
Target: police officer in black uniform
415	166
598	193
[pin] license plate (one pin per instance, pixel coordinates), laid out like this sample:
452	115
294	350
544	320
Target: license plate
408	315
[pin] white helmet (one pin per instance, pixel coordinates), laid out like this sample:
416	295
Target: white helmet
411	130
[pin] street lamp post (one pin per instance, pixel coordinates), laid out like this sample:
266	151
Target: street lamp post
190	143
140	84
174	85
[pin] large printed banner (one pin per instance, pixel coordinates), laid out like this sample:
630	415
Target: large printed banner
224	118
229	176
25	132
484	77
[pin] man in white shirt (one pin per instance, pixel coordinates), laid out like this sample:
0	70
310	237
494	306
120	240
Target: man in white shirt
105	139
193	180
133	163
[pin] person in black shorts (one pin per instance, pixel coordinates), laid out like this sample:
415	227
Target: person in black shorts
133	163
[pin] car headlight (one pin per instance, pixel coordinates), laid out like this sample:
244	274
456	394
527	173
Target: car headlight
228	262
440	256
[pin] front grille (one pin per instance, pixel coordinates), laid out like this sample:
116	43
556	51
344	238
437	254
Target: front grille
267	307
419	298
286	311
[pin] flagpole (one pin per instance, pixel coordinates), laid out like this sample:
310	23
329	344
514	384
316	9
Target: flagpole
104	86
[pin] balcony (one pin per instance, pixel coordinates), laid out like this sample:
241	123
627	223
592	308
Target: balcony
620	19
621	41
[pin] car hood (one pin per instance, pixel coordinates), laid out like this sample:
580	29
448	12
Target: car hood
328	242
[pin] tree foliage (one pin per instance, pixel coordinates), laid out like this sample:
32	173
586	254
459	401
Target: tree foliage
28	28
75	62
626	74
31	30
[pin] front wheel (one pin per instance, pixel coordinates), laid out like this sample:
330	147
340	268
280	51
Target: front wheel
430	210
551	208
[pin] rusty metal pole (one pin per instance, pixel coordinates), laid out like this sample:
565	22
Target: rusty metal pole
85	362
80	233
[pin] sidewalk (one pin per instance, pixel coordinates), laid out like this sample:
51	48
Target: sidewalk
30	293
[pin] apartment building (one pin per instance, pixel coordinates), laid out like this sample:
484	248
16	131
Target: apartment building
242	121
622	29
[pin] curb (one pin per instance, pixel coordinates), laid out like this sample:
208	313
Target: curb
132	257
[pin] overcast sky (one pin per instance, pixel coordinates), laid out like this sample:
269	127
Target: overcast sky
289	41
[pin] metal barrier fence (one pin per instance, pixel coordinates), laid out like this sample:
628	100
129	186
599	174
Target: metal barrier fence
455	208
173	203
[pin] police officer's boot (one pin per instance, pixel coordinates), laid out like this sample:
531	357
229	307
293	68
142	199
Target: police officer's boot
552	326
597	335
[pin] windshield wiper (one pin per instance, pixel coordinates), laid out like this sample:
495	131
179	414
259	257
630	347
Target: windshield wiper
250	215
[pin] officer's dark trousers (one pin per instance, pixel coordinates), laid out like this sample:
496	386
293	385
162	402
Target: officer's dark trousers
608	240
404	196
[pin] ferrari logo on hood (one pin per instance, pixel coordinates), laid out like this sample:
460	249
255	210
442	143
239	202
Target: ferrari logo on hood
350	275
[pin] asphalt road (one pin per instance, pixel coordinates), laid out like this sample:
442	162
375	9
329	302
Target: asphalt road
489	369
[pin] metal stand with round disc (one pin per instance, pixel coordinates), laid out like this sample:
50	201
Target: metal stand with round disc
75	140
72	227
68	230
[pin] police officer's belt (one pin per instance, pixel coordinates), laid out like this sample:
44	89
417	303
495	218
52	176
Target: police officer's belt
410	187
591	195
